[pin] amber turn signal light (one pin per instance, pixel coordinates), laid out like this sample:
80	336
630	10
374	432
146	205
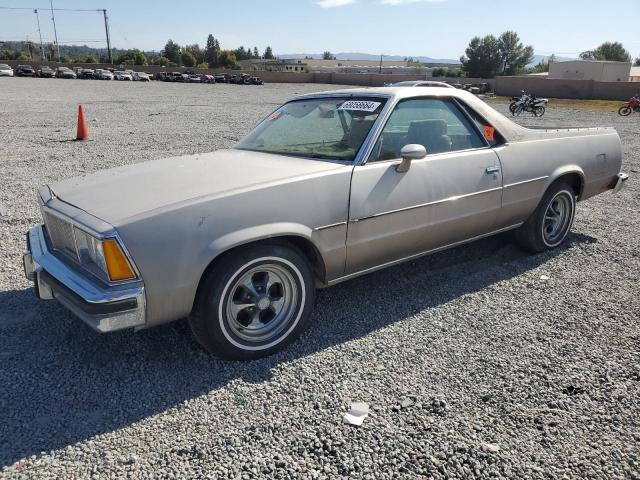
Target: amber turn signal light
117	264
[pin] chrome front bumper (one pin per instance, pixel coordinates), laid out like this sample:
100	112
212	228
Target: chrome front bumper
104	308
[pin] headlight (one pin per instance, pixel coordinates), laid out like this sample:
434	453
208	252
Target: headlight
104	258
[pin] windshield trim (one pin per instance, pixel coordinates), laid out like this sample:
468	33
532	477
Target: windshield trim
329	95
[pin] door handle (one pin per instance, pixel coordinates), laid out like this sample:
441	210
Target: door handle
492	169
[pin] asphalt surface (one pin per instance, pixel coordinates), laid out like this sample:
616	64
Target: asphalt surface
478	362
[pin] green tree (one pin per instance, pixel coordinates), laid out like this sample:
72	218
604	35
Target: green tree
256	52
211	51
268	54
162	61
482	57
514	56
89	59
612	51
196	51
188	58
328	56
227	59
637	62
172	51
132	57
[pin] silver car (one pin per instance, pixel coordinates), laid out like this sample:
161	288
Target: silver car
327	187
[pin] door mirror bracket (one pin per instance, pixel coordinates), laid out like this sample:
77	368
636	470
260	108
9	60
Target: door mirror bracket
412	151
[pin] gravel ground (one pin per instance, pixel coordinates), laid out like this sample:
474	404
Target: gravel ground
474	365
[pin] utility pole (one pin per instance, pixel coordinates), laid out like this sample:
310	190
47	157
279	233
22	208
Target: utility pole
106	29
380	64
55	32
40	33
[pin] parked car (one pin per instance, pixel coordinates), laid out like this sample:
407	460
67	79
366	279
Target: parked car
65	72
86	74
234	78
45	72
193	78
221	78
256	81
178	77
237	240
421	83
102	74
141	77
121	75
208	79
25	71
5	70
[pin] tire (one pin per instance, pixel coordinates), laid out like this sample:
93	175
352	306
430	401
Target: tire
512	107
549	225
624	111
253	302
539	111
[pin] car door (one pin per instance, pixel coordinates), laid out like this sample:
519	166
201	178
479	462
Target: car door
451	195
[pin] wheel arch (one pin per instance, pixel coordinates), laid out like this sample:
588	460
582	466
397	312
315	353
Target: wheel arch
298	236
571	174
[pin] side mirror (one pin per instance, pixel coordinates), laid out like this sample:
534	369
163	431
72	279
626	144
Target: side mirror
410	152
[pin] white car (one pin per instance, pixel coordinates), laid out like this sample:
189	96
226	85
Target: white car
101	74
5	70
141	76
120	75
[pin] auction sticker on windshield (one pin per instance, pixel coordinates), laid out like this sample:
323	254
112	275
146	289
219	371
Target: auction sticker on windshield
360	105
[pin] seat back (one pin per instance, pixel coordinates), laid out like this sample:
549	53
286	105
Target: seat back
432	134
358	132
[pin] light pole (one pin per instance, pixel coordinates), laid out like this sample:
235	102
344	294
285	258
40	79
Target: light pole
40	33
55	32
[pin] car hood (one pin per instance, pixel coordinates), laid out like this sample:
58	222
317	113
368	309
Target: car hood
119	194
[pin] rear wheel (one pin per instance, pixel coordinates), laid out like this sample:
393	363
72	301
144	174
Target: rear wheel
512	107
551	222
253	302
624	111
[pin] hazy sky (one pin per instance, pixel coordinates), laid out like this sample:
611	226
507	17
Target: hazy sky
440	29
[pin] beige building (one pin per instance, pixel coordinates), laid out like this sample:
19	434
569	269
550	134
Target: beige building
597	70
634	76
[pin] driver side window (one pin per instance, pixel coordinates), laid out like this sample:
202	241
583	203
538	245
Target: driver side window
437	124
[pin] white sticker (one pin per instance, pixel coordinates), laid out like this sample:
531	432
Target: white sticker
361	105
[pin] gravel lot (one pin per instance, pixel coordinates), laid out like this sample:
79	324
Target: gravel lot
473	365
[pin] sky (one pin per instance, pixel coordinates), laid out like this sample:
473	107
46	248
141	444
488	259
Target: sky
433	28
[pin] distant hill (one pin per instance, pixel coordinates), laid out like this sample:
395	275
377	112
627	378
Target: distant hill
367	56
538	58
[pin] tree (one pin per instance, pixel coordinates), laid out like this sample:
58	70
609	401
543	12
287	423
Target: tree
328	56
162	61
612	51
132	57
172	51
212	50
196	51
268	53
227	59
256	53
188	58
637	62
482	57
514	56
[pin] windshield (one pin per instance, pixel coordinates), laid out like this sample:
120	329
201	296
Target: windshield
325	128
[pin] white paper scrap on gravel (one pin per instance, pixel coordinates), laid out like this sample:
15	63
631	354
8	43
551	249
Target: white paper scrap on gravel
359	411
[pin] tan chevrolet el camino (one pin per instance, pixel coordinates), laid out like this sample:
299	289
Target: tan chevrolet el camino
327	187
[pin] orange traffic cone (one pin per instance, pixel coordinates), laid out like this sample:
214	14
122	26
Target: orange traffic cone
83	129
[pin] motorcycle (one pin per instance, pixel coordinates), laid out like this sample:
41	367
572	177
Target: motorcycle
528	103
627	108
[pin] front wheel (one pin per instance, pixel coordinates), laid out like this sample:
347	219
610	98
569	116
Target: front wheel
624	111
551	222
539	111
253	302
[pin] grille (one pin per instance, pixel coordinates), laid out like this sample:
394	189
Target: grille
61	235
